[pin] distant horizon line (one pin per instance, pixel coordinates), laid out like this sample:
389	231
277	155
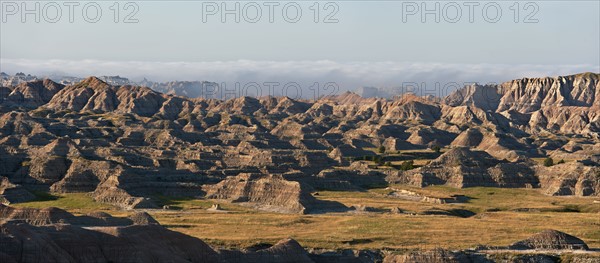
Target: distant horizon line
427	65
85	77
347	76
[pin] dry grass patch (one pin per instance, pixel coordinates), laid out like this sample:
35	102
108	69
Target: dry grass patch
503	217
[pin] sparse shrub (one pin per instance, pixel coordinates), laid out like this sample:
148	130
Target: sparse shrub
407	165
381	149
436	148
389	164
377	159
561	161
548	162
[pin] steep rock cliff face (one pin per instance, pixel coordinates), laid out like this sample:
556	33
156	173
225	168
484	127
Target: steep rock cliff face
568	104
111	192
4	92
85	175
33	94
50	163
265	192
89	94
270	193
413	111
13	193
289	106
483	97
566	120
94	95
469	138
571	178
461	167
528	95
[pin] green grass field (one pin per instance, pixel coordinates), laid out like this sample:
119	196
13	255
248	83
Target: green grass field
73	202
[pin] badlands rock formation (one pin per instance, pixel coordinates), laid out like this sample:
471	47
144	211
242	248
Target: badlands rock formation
570	179
550	239
128	144
53	235
461	167
269	193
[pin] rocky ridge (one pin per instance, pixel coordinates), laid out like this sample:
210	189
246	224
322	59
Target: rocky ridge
126	144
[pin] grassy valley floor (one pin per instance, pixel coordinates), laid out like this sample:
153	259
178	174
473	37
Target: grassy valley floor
494	216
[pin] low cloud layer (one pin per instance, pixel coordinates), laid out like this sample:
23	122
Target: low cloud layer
306	74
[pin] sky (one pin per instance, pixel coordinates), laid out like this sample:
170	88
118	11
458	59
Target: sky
351	43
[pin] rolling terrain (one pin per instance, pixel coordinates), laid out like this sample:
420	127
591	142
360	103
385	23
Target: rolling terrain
409	179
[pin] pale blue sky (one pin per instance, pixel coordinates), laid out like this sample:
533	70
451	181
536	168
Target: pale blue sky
567	35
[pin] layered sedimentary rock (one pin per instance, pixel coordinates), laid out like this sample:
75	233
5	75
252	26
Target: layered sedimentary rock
484	97
461	167
568	104
572	178
468	138
35	216
53	215
432	256
126	144
85	175
550	239
12	193
357	177
109	192
270	193
287	250
33	94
